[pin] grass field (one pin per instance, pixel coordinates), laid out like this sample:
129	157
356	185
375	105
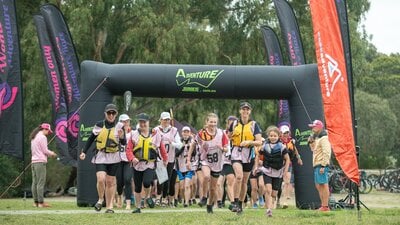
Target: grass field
17	211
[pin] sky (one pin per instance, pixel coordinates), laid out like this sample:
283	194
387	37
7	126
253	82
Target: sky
383	23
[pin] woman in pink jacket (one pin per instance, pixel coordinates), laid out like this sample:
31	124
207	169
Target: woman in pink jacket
40	152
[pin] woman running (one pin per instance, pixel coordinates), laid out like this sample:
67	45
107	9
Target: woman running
213	142
40	152
275	164
172	140
107	157
245	134
294	156
124	172
185	173
227	174
142	152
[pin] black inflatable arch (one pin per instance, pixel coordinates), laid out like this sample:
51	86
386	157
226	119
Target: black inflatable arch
203	81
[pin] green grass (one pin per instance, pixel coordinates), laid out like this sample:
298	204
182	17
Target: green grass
179	216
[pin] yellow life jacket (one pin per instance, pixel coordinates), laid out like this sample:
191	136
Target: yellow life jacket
106	140
144	149
242	132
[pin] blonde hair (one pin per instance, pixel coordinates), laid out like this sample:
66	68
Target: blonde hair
210	115
272	129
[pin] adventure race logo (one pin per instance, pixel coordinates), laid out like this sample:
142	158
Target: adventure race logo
330	69
302	136
7	93
197	81
85	132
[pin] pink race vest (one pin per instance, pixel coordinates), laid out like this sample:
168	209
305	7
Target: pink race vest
210	153
168	137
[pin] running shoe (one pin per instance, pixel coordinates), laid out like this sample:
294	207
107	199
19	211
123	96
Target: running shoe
109	211
98	206
190	202
150	202
255	206
203	202
185	205
194	201
268	213
176	201
137	210
261	201
220	204
285	206
234	208
324	209
142	204
210	209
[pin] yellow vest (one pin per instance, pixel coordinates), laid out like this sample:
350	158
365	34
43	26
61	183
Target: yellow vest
144	149
106	140
242	133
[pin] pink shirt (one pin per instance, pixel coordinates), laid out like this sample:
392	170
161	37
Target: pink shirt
39	148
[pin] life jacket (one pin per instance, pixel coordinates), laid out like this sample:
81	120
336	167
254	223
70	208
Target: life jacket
242	132
144	149
106	140
290	146
273	156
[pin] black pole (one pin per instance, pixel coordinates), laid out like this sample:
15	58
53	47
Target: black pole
352	105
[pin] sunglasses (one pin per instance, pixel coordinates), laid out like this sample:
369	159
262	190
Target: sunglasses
111	113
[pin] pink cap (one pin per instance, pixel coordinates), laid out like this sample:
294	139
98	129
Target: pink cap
317	123
46	126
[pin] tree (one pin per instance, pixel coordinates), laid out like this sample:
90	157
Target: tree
377	126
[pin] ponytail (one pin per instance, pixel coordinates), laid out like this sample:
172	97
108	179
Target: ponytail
34	132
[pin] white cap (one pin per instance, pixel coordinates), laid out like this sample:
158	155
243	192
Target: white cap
284	129
165	115
185	128
123	117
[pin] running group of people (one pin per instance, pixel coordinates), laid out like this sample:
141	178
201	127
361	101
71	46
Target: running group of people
211	163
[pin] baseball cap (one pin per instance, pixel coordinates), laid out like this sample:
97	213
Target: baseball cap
317	123
46	126
165	115
231	118
143	117
185	128
284	129
245	104
123	117
111	107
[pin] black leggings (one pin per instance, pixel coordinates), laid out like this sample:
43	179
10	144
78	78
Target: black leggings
124	179
144	178
168	187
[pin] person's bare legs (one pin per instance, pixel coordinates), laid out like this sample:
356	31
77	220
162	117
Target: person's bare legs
268	196
243	190
220	187
206	179
230	182
254	190
324	189
101	185
286	188
187	191
110	191
200	180
213	191
238	168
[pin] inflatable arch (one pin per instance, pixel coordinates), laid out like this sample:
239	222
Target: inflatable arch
299	84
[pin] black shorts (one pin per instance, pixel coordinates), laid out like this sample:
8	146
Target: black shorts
255	176
227	169
247	167
110	169
276	182
214	174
